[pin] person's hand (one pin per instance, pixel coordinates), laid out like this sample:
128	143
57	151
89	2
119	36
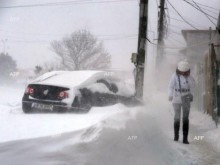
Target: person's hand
170	98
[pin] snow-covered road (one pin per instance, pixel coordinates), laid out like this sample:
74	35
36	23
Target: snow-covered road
15	125
109	135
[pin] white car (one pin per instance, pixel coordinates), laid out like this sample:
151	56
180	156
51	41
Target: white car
76	91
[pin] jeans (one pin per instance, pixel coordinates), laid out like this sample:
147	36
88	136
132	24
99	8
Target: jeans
177	111
185	118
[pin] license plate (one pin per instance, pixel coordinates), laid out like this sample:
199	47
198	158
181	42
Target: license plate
42	106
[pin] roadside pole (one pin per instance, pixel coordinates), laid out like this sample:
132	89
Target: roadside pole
139	58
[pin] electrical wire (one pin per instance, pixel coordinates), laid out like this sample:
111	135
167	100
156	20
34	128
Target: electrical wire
174	32
175	19
204	13
208	10
179	27
199	9
67	3
12	39
176	40
61	35
179	48
181	16
188	46
197	24
207	6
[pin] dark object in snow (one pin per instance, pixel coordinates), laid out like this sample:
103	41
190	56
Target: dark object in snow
176	130
185	131
111	86
47	94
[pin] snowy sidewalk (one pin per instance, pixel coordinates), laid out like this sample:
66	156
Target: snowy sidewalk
204	137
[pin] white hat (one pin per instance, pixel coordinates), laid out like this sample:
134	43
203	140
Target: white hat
183	66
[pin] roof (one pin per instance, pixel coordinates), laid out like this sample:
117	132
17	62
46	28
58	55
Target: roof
67	78
184	32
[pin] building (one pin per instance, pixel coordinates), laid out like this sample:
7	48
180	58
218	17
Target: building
203	51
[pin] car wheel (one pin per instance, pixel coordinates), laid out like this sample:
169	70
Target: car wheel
26	107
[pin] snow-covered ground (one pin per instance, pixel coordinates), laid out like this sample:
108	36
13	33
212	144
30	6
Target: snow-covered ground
204	136
124	135
15	125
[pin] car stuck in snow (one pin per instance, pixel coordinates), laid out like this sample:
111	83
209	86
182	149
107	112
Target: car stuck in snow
76	91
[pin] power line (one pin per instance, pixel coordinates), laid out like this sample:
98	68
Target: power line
187	46
48	41
203	12
174	39
179	27
62	35
207	6
208	10
199	9
175	19
179	20
197	24
182	16
174	32
67	3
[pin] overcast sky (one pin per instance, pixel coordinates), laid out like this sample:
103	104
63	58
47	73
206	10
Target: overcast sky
26	33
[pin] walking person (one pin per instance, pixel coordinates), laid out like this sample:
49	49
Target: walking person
180	93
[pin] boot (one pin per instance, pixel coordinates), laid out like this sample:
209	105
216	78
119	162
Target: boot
185	131
176	130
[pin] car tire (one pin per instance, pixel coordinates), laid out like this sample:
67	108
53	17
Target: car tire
26	107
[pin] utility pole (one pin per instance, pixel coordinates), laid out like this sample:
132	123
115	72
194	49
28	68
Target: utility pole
218	24
160	34
139	58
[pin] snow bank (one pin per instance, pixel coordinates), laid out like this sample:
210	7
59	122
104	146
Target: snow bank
10	96
16	126
207	128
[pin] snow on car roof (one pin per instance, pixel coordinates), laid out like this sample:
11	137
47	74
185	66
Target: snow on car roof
68	79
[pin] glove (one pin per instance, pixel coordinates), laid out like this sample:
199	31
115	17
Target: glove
170	98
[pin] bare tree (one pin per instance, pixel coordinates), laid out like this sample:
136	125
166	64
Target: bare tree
52	66
81	51
7	67
38	69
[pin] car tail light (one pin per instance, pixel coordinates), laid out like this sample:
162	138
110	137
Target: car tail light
63	95
29	90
